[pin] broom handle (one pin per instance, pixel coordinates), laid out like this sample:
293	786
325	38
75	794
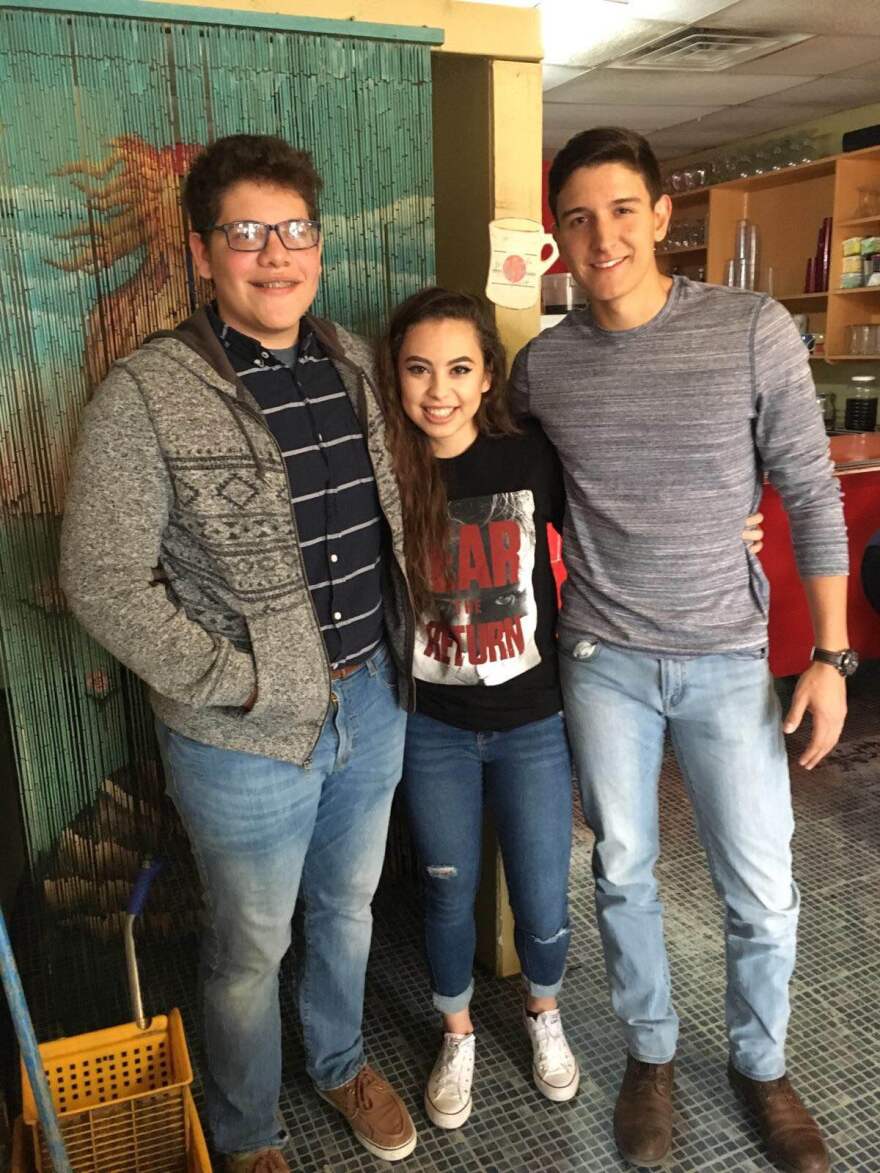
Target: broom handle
30	1053
150	868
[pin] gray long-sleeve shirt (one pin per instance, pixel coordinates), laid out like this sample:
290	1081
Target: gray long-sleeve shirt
665	433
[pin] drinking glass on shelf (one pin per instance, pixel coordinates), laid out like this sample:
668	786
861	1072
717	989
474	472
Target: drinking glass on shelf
868	203
873	340
780	154
806	149
860	338
676	180
730	167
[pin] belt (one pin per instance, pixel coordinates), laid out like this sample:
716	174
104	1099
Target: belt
345	670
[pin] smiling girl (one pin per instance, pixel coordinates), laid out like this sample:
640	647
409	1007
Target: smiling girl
477	495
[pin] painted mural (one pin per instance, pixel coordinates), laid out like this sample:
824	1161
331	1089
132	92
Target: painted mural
101	116
133	210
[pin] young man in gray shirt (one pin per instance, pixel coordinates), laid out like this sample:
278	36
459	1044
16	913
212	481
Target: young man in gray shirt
668	400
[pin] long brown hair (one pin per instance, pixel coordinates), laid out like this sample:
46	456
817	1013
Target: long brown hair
422	491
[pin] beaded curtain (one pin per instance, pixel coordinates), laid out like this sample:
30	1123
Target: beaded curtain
101	117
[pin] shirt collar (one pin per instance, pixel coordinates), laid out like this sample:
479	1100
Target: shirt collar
249	349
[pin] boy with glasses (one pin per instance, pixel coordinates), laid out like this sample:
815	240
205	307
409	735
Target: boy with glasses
233	535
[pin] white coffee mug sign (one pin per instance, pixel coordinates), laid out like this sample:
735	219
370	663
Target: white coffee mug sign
515	263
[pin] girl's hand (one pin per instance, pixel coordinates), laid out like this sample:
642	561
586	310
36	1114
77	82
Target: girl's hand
753	535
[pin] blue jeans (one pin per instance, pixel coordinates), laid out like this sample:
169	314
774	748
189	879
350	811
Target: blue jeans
724	722
263	831
525	776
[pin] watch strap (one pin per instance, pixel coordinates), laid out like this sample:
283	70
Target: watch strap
845	660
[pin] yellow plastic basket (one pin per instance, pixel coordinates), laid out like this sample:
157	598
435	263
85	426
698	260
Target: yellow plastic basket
123	1101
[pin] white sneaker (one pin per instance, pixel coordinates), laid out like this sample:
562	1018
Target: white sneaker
448	1099
554	1067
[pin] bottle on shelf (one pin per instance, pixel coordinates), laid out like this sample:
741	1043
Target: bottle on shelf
861	404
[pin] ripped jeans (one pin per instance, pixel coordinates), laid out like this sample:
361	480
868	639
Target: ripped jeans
524	776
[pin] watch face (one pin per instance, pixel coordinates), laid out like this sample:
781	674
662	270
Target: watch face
849	661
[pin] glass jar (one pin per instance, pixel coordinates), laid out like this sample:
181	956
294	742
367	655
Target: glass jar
828	406
861	404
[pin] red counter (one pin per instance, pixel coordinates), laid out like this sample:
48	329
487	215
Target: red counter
791	635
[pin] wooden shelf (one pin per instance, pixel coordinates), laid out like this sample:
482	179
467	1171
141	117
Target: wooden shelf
697	195
788	207
785	176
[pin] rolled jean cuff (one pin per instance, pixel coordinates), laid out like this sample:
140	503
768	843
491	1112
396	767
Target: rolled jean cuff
455	1003
763	1078
644	1057
534	990
353	1070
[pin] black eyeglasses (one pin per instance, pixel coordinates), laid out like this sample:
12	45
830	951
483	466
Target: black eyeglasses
252	236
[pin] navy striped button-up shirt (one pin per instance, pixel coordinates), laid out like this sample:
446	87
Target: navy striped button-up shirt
333	491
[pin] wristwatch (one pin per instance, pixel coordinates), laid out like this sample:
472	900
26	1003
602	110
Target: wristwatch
845	661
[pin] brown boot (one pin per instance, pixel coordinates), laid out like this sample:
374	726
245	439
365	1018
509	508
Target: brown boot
643	1112
794	1142
377	1115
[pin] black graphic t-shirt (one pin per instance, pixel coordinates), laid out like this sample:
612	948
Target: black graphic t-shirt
485	656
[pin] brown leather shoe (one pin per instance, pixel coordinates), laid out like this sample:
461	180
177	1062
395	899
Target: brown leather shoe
643	1112
377	1115
258	1161
794	1142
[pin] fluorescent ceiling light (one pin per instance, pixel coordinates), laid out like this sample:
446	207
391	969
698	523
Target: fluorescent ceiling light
572	28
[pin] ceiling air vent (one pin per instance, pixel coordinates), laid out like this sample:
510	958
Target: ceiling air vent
706	50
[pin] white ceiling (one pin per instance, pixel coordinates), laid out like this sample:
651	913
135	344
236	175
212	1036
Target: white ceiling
837	67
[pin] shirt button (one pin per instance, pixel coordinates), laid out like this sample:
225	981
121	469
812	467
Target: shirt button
337	614
334	557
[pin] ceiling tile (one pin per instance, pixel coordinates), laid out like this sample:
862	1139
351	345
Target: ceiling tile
870	70
677	11
659	87
851	18
837	91
641	118
557	75
590	35
818	56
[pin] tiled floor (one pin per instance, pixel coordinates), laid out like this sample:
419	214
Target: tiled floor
834	1041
